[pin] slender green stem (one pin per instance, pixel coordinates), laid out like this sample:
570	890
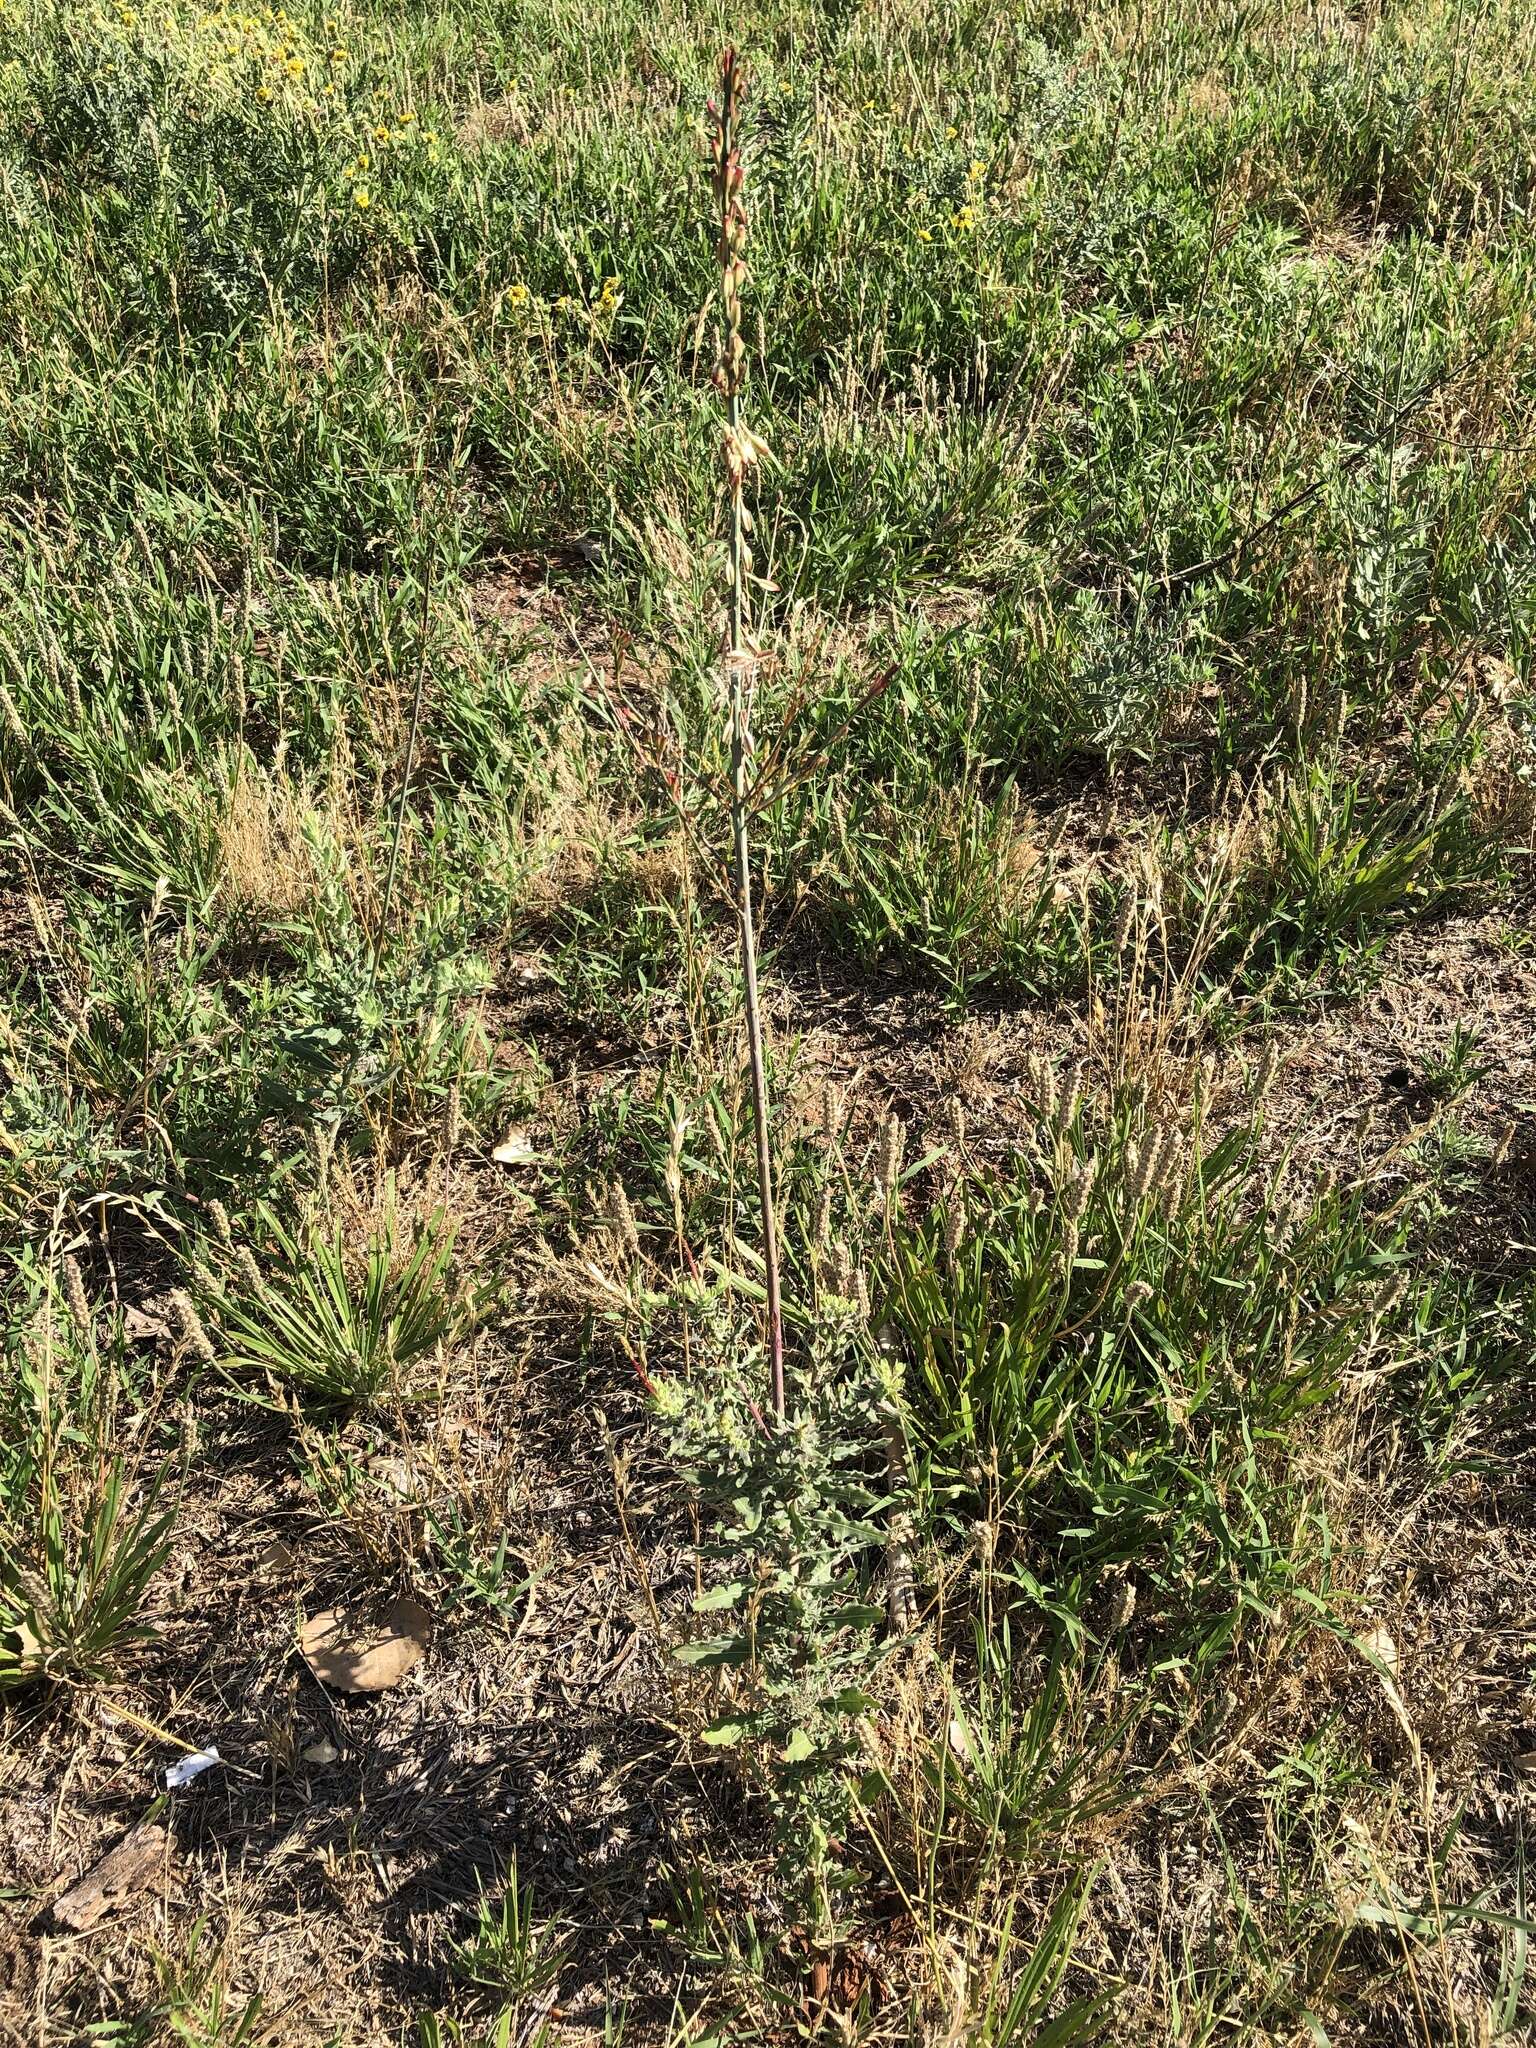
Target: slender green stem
410	769
738	669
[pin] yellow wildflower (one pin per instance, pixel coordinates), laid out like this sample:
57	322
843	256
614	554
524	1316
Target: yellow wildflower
361	197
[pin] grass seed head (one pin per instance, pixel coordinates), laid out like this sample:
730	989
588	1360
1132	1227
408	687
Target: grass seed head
1072	1094
831	1110
192	1329
841	1279
1041	1076
1145	1162
10	717
624	1219
1173	1161
1074	1201
1264	1076
74	1294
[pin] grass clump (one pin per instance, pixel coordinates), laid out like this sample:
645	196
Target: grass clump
82	1535
339	1332
1124	1341
72	1587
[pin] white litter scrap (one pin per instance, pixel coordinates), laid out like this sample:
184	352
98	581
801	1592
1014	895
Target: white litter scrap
186	1768
515	1149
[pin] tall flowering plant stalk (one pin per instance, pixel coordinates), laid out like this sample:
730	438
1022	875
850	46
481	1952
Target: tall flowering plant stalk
741	449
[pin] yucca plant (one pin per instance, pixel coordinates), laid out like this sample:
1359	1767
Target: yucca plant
339	1339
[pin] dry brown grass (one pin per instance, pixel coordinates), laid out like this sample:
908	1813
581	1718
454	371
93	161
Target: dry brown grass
278	839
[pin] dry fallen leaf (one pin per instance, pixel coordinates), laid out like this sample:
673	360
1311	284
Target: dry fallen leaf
515	1149
321	1752
1497	677
275	1557
1379	1646
356	1655
20	1647
397	1476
